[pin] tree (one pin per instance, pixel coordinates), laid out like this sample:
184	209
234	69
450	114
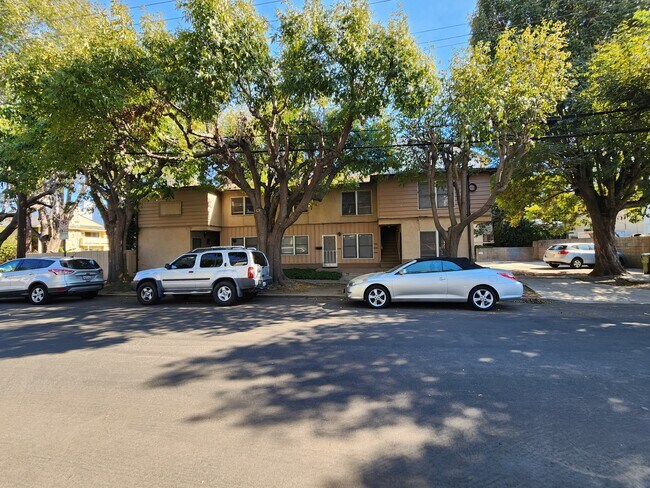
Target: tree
592	152
494	102
88	77
275	115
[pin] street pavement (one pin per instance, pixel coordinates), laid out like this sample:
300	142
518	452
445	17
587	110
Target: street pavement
319	392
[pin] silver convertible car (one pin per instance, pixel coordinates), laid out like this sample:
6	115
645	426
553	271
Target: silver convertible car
436	280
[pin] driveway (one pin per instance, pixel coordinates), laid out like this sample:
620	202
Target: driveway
295	392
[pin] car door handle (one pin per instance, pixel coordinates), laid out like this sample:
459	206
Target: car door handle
190	272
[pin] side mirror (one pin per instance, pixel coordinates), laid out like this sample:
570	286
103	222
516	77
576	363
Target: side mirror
401	272
168	266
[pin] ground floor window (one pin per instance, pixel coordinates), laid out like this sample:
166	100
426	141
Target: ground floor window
428	244
295	245
244	241
357	246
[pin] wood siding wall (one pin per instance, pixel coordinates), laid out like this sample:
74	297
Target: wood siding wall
194	211
316	233
397	200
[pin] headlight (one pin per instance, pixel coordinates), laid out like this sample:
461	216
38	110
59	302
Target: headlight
358	281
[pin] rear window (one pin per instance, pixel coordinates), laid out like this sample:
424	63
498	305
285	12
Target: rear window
238	258
259	258
80	264
557	247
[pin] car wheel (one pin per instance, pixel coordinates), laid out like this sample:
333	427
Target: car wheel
377	297
148	294
576	263
224	293
554	265
89	296
482	298
38	295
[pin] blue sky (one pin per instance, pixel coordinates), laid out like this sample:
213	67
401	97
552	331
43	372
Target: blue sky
440	26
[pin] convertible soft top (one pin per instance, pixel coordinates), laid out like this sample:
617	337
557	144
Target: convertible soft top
464	263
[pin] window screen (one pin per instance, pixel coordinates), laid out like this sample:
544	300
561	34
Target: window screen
423	195
364	202
365	245
301	244
350	246
237	206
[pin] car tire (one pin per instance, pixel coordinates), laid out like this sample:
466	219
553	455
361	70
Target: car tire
89	295
554	265
148	293
224	293
576	263
38	295
377	297
482	298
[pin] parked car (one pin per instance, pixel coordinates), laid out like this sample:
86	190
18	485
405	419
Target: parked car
228	273
574	254
436	280
38	279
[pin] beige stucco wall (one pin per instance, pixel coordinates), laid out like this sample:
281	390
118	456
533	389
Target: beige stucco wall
410	232
158	246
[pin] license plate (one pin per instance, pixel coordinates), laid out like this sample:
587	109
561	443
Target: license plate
87	277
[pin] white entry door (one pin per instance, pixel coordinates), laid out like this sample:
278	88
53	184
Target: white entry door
330	259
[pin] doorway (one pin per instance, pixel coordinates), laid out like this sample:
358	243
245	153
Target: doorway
391	251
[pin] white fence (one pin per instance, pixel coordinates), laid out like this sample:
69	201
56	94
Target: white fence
100	256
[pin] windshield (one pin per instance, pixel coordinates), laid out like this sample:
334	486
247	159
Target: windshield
392	270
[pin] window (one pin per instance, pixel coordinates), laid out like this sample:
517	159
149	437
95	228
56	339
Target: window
260	259
357	246
295	245
356	202
211	260
27	264
238	258
424	201
9	266
449	266
91	234
428	244
237	206
184	262
247	242
80	264
424	267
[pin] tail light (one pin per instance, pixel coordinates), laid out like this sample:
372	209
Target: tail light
508	275
59	271
564	252
251	272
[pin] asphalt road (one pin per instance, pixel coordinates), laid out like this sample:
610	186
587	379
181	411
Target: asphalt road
321	393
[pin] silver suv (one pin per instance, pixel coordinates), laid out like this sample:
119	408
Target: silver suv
40	278
227	273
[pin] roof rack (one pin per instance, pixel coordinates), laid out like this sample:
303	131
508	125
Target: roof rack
222	248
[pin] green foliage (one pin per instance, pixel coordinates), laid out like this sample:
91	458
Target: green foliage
522	233
8	251
311	274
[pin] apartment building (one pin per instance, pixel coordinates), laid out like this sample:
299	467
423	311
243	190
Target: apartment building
379	224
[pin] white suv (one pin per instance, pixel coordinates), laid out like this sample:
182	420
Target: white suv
227	273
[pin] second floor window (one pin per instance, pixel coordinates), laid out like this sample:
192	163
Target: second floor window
356	202
247	242
241	205
424	201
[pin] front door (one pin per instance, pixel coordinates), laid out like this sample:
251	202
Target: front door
330	258
8	278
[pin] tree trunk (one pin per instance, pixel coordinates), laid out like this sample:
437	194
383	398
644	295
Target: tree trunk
116	230
270	242
607	261
7	231
452	243
21	211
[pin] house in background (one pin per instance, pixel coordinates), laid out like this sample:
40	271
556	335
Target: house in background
381	223
84	234
624	227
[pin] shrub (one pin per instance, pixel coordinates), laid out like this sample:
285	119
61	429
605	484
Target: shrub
311	274
7	252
